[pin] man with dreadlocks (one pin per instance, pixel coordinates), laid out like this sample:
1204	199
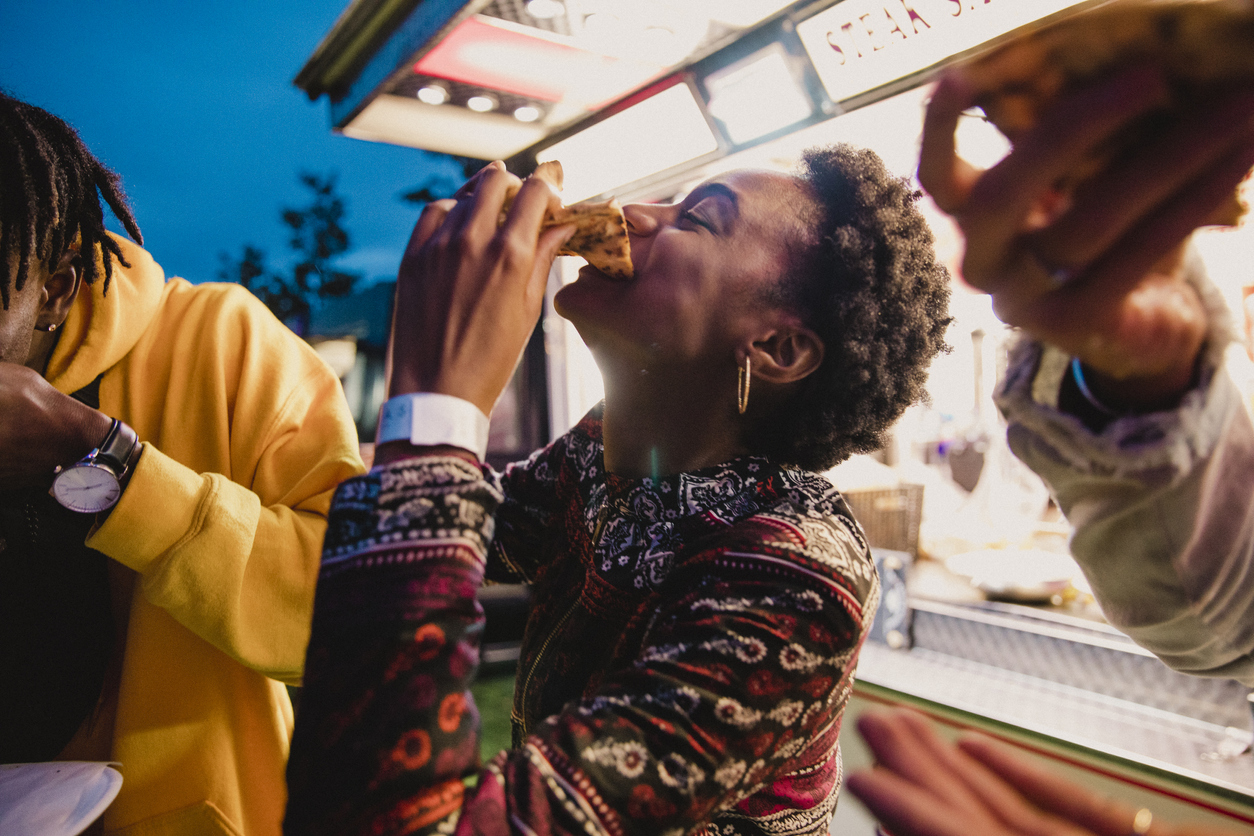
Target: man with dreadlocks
155	600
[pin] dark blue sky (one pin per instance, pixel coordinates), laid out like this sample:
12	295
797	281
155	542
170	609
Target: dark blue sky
193	104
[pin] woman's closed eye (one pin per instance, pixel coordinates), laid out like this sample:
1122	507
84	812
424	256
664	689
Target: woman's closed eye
705	213
693	217
712	206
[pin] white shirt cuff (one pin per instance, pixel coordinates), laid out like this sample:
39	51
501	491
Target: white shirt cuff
426	419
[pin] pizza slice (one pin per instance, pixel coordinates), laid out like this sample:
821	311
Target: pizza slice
601	230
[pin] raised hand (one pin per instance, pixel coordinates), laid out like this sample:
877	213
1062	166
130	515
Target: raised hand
1097	273
469	292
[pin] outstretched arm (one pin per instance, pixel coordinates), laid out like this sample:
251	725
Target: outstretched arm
1153	477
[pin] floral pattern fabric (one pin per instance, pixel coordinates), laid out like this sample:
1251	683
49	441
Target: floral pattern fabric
684	668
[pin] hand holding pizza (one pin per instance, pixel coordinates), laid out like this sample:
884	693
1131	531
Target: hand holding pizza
470	288
1094	268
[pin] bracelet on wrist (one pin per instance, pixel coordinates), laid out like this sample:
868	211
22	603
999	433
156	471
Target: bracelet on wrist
429	419
1077	374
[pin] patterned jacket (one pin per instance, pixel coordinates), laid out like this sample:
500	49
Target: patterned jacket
684	668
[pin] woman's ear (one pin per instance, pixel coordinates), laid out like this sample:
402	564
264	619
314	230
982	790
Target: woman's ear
787	354
60	291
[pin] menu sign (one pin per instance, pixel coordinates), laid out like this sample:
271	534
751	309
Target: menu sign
858	45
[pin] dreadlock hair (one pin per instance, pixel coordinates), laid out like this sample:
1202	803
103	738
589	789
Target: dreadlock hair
867	281
50	189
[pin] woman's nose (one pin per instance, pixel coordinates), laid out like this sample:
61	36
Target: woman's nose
642	218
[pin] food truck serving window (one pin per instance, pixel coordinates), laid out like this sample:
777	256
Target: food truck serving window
663	131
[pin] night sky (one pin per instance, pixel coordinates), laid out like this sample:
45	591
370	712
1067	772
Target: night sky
193	104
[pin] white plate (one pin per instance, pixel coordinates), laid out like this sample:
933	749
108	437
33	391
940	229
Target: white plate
54	799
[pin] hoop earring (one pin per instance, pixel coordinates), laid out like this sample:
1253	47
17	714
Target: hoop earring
54	326
742	385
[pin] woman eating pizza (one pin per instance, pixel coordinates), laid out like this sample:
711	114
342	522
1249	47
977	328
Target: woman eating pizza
700	591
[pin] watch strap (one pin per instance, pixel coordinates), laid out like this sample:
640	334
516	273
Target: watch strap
428	419
119	450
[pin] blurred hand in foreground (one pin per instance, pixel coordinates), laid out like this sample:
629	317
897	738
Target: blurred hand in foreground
925	786
469	292
1098	273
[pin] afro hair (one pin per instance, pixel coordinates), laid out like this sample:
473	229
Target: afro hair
869	284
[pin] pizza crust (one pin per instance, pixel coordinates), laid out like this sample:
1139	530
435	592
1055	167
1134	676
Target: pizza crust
601	230
1200	45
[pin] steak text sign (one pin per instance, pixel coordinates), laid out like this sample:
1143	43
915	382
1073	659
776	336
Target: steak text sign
858	45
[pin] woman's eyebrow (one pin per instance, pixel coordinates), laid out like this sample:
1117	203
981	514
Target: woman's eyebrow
732	201
709	189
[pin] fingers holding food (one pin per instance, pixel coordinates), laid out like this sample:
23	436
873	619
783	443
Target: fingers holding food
468	188
600	234
1189	174
1196	46
1131	125
431	219
1024	193
947	177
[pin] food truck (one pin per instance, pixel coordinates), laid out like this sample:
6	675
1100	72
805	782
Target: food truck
985	622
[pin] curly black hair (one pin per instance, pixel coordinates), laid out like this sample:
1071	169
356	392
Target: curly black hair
869	285
50	190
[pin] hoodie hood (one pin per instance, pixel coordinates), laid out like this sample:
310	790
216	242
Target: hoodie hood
103	327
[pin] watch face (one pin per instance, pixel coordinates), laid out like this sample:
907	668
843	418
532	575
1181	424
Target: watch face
87	488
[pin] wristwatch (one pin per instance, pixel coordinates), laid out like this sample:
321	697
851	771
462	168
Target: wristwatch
94	483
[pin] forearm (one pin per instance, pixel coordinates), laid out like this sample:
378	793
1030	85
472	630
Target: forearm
1159	506
238	573
387	729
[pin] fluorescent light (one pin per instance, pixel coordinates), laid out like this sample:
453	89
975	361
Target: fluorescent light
433	94
526	113
545	9
481	104
662	131
757	96
404	120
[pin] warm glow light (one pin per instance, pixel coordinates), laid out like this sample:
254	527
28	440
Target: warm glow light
450	130
545	9
493	56
757	96
481	104
526	113
432	94
660	132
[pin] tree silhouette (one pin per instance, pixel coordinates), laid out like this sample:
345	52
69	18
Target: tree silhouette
317	237
426	194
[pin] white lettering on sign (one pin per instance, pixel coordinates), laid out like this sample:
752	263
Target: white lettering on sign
858	45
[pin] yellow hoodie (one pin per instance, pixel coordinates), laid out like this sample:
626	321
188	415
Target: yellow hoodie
246	434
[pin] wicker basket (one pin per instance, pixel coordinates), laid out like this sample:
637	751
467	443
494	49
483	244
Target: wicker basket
889	516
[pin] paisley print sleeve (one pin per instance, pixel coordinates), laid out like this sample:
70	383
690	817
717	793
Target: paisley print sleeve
387	729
